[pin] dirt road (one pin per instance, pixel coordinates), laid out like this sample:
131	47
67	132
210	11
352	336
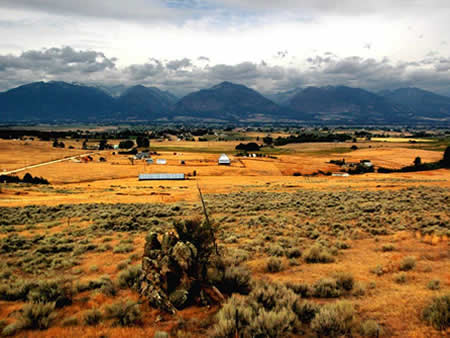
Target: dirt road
45	163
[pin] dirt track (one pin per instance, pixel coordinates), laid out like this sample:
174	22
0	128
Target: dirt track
45	163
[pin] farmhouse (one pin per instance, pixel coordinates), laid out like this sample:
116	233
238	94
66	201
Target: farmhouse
161	177
224	160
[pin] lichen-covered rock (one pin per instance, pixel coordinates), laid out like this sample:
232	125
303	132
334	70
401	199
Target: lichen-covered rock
183	255
179	298
179	269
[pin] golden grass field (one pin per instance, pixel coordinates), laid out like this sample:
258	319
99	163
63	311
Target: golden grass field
397	307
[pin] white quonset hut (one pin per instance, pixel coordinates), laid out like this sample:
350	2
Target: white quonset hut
161	177
224	160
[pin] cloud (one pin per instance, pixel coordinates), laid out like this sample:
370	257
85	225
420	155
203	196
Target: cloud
111	9
182	76
179	64
56	61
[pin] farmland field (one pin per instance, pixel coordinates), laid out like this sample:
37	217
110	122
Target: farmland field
367	252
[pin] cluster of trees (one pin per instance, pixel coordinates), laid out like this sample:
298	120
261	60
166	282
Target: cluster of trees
309	137
252	146
27	178
57	144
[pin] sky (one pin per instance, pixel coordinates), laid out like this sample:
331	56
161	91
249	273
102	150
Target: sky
186	45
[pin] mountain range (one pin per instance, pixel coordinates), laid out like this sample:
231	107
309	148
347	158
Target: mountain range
225	102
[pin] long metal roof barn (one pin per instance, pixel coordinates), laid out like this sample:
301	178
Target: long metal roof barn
160	177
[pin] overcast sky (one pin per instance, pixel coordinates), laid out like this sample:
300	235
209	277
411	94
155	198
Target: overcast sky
186	45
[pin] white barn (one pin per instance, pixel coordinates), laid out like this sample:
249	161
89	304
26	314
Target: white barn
224	160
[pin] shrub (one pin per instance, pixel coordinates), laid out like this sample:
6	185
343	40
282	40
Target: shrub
378	270
293	253
359	290
302	289
334	319
236	279
437	313
57	291
371	328
345	280
434	284
317	254
274	264
36	316
400	278
123	264
408	263
129	278
71	321
124	314
123	248
92	317
387	247
266	312
305	311
326	288
275	250
16	291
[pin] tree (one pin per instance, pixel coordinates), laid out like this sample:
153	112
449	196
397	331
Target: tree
142	142
417	161
252	146
27	178
446	158
268	140
126	144
102	144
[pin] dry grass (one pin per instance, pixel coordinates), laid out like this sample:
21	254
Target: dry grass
255	202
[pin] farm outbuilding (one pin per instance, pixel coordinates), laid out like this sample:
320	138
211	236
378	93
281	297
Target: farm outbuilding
161	161
224	160
142	155
340	174
149	161
161	177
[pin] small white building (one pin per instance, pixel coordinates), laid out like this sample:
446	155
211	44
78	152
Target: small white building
224	160
366	163
340	174
161	161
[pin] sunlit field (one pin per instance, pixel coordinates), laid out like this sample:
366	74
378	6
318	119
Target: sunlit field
367	253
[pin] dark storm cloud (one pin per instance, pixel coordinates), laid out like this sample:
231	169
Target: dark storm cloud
183	75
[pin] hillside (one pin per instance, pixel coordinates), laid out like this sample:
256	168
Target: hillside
227	101
147	103
346	104
44	101
423	103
